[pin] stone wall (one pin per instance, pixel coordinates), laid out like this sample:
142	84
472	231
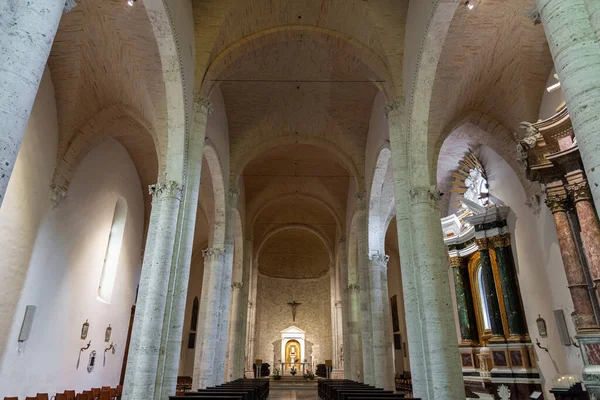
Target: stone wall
274	315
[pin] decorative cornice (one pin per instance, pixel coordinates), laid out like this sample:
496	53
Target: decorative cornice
237	285
161	190
457	262
202	105
212	253
353	287
483	243
392	106
556	203
580	191
500	240
57	193
424	194
69	6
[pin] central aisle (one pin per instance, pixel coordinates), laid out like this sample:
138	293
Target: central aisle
286	394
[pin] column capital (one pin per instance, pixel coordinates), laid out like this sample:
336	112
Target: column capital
500	240
457	262
212	253
534	15
361	200
425	194
353	287
164	189
202	105
393	107
57	193
233	193
578	187
237	286
70	5
483	243
379	258
342	239
556	197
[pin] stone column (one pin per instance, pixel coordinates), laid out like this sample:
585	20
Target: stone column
378	263
556	199
575	49
226	274
432	291
491	294
365	319
28	29
141	378
390	368
180	274
590	230
593	9
354	326
235	325
464	302
207	339
346	348
240	348
252	306
509	282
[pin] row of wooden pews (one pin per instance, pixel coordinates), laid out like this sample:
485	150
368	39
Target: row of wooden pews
240	389
345	389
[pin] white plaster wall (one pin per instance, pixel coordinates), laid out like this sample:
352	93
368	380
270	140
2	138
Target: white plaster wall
274	314
63	278
539	265
551	100
27	199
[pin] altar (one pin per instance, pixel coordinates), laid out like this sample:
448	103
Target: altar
293	351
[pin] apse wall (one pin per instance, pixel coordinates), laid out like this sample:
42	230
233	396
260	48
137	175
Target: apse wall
64	275
274	315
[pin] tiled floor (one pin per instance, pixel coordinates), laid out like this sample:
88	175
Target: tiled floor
293	394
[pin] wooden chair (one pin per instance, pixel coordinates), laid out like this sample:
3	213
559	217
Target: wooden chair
70	394
31	398
83	396
119	391
60	396
11	398
104	395
42	396
96	392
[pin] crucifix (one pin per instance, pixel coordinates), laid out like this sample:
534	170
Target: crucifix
293	304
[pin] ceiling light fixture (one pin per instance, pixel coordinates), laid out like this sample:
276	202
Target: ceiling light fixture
469	5
130	2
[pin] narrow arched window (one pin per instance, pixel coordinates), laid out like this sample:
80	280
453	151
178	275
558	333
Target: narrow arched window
195	306
113	251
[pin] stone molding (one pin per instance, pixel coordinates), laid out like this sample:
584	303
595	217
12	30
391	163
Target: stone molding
202	105
500	240
212	253
70	5
353	287
483	243
162	190
237	286
457	262
424	194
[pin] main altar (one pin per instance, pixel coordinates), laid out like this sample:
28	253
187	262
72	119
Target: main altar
293	351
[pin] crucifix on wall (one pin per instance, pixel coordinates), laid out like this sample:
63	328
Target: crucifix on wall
294	305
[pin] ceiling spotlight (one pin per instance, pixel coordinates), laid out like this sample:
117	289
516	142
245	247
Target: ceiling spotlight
130	2
469	5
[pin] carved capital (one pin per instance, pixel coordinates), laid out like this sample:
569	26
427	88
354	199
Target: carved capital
57	193
500	240
202	105
353	287
161	190
534	15
392	107
361	201
378	258
556	203
580	191
233	194
69	6
424	194
342	239
482	243
237	286
212	253
457	262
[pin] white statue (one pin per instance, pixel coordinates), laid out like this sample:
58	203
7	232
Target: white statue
477	188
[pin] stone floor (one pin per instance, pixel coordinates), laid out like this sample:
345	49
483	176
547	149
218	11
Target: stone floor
283	394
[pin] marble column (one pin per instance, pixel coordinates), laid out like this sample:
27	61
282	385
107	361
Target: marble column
180	274
365	319
226	274
509	282
556	200
207	339
444	377
378	263
464	302
491	294
141	378
579	190
575	49
28	29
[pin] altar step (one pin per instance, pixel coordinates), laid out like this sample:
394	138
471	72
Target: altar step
293	383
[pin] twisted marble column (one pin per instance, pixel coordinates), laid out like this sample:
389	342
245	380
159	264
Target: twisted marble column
366	324
28	29
575	49
207	339
141	378
491	294
180	274
464	302
556	199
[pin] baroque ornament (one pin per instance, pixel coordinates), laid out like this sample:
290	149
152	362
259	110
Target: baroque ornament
525	141
470	181
504	392
556	203
580	191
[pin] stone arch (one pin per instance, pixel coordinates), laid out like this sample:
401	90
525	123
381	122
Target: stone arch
419	99
240	161
94	132
282	228
167	41
218	182
291	32
381	200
